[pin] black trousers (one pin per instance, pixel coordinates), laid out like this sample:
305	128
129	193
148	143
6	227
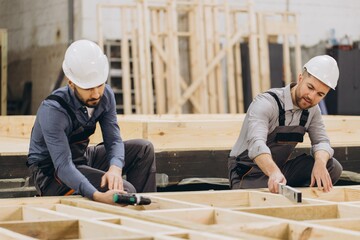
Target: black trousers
140	170
297	172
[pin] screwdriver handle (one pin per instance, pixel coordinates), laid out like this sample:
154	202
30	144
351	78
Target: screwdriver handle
130	199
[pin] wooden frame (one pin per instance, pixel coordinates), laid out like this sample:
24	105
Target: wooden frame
215	215
214	84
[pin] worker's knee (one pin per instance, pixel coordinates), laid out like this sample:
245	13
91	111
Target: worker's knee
128	187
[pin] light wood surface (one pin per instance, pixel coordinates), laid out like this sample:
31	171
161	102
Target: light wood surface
221	215
177	132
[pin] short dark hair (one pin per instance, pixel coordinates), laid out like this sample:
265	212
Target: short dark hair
305	73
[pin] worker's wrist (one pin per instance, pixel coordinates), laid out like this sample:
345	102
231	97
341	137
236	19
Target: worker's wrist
96	196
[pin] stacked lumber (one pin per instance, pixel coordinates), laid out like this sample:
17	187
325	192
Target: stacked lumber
228	214
185	56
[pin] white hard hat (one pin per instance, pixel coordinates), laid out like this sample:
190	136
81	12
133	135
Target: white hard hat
85	64
325	69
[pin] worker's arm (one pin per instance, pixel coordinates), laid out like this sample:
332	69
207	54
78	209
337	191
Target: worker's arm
270	169
320	174
321	150
115	151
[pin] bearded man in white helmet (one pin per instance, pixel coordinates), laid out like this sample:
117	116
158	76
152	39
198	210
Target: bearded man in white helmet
59	157
275	122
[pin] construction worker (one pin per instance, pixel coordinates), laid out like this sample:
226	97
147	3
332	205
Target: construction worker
60	159
275	122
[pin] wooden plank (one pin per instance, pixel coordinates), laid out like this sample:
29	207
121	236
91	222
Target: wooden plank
3	71
218	69
45	229
349	224
142	59
171	132
158	64
238	71
253	51
16	126
230	62
209	35
149	84
125	62
193	44
203	86
225	199
10	213
336	195
135	57
300	213
6	234
264	54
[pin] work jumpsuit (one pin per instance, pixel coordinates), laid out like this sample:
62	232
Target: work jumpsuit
244	172
92	162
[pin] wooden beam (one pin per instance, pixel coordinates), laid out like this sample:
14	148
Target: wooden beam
230	62
125	62
3	71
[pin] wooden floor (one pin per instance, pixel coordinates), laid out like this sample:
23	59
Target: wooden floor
240	214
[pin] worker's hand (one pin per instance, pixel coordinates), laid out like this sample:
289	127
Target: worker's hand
321	176
113	178
274	180
106	197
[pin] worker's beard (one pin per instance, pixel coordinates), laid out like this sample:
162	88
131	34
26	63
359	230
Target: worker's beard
303	101
91	102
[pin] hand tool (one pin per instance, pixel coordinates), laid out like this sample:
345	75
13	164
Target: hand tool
130	199
289	192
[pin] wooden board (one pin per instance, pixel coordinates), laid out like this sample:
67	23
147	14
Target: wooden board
3	70
235	214
177	132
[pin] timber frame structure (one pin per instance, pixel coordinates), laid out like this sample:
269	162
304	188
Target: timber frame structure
152	60
217	215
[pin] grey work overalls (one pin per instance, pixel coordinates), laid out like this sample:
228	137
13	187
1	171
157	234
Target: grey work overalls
91	162
244	173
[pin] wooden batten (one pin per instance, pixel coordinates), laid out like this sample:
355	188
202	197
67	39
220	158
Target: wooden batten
209	33
125	61
136	62
230	61
158	62
3	71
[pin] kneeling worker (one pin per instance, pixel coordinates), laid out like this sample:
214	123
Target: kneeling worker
275	122
59	157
